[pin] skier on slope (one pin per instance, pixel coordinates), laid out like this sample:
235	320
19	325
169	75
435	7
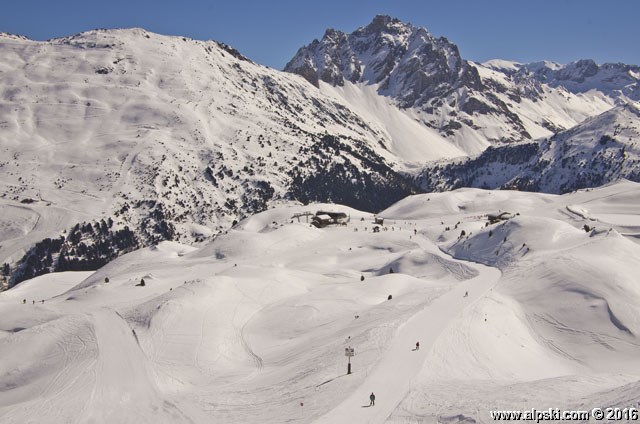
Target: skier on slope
417	345
372	399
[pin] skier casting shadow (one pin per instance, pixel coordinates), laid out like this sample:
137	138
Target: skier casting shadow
372	401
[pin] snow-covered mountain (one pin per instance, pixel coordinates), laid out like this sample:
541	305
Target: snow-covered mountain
171	137
474	105
599	150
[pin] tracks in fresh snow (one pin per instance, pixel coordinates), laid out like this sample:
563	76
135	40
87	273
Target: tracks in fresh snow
247	348
391	378
122	377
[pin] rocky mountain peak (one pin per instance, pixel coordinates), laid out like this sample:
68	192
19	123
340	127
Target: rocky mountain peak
333	35
385	24
407	62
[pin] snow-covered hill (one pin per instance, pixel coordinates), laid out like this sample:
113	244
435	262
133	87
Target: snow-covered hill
171	137
531	312
601	149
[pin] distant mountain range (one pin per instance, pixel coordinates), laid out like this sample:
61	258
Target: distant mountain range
171	138
472	105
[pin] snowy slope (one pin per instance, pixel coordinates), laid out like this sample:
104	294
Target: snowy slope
125	102
409	139
544	108
252	326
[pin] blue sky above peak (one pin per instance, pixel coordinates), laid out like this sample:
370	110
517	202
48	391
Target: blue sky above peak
270	32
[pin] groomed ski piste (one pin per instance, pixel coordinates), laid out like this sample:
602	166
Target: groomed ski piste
532	311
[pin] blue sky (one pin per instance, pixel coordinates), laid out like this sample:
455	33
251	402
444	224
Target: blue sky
270	32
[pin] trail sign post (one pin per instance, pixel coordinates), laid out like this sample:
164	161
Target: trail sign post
349	352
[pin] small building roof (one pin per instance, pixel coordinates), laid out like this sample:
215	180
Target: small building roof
333	215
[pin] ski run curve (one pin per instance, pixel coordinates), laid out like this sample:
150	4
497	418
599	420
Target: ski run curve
392	377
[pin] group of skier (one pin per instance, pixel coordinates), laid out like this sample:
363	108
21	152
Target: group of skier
372	396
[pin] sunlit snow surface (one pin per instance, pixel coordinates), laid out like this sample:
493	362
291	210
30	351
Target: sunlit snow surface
252	327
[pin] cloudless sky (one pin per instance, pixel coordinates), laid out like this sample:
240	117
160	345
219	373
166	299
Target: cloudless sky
271	31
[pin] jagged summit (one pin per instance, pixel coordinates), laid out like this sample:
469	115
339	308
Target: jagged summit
406	61
472	105
386	24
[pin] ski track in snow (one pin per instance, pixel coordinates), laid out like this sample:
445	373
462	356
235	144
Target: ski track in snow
392	376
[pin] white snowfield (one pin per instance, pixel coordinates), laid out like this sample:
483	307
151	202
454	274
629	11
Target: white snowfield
532	312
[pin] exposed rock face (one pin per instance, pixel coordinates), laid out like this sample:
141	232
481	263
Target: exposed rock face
407	62
411	66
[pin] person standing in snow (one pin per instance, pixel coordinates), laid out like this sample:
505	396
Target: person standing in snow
372	399
417	345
